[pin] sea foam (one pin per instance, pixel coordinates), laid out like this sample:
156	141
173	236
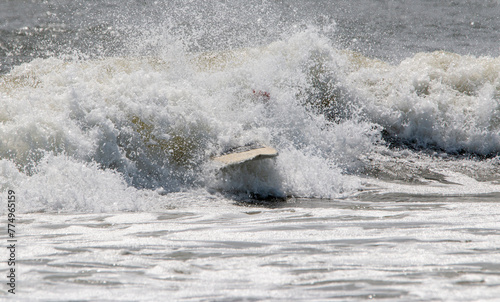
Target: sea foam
153	123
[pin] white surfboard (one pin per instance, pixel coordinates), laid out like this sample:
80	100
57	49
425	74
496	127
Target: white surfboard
244	154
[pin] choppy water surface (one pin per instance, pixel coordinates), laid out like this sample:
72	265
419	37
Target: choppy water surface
397	247
386	116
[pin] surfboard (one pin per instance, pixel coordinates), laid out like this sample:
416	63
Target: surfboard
244	154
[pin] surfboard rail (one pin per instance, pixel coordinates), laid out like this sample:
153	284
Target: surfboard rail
246	153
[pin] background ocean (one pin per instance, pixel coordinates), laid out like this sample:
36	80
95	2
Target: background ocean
386	115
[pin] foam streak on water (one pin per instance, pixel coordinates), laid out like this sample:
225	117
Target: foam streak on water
441	249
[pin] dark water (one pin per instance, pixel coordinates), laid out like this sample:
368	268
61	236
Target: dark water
390	30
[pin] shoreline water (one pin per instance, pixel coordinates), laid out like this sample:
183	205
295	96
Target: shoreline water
399	248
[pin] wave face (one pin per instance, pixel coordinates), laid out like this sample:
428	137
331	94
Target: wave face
435	99
134	110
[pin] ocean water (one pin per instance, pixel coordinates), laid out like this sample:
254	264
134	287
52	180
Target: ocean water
385	114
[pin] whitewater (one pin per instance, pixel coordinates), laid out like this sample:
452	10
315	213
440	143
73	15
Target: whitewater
386	117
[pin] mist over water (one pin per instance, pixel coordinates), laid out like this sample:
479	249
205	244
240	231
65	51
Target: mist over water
389	30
